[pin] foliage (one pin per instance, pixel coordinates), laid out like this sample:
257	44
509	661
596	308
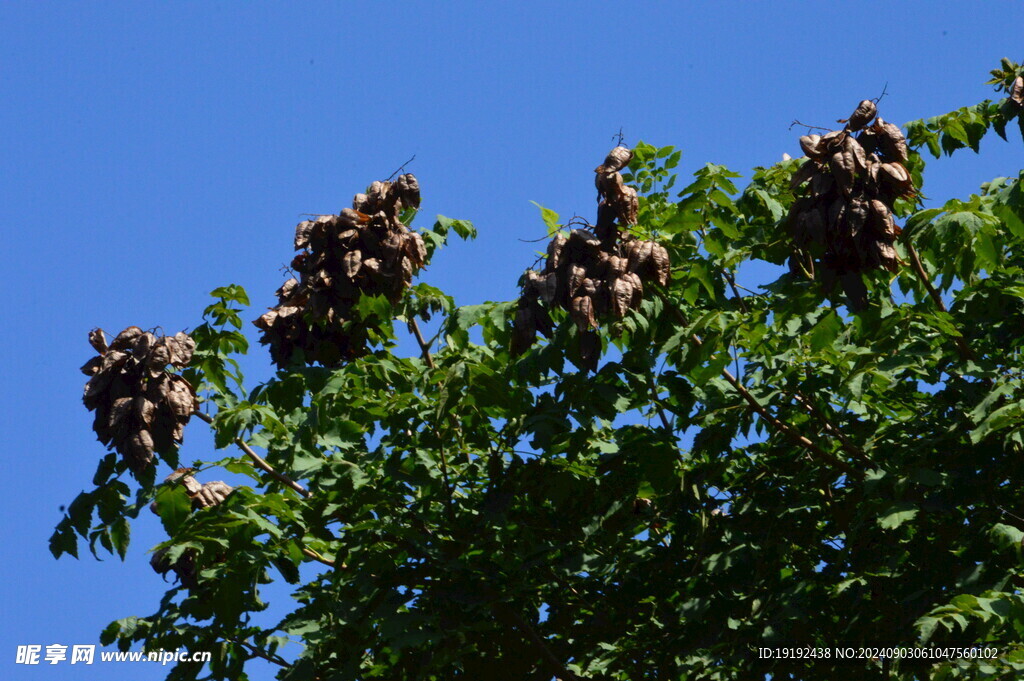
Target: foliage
744	469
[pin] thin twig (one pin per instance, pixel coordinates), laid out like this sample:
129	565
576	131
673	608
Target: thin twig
444	478
657	405
256	652
885	89
852	449
804	125
732	284
401	168
259	461
574	220
424	345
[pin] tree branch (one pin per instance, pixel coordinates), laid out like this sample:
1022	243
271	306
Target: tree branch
424	345
961	345
310	553
256	652
786	429
736	292
657	406
259	461
555	665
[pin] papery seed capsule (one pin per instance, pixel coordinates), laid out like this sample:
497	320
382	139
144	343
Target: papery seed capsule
892	142
582	310
662	266
841	165
98	340
856	153
811	145
617	159
555	252
866	110
832	141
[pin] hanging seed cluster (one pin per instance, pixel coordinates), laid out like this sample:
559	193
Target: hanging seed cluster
592	274
363	250
140	406
853	176
203	496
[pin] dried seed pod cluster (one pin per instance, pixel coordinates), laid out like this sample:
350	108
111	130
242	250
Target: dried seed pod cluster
202	496
140	406
591	274
844	215
363	249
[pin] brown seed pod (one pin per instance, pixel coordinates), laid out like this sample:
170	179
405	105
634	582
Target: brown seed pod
855	151
891	141
92	366
210	494
98	340
408	189
621	295
1017	91
881	222
126	338
661	265
842	167
415	248
617	159
896	178
811	145
582	311
832	142
847	208
302	233
576	275
865	111
639	255
555	247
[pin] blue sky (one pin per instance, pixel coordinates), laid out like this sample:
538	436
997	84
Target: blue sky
151	152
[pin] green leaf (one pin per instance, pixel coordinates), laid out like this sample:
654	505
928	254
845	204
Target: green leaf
464	228
824	333
897	514
173	506
120	535
1004	417
549	216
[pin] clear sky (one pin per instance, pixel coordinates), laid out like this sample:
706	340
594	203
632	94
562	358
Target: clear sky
150	152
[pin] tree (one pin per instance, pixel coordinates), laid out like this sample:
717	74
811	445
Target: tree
682	473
